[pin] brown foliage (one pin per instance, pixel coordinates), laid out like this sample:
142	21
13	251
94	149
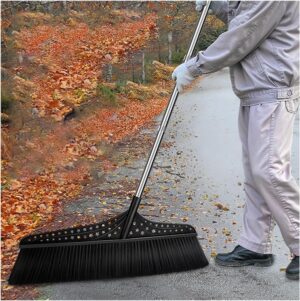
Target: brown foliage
74	57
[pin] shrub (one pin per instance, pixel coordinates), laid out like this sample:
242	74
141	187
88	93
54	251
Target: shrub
120	85
177	57
108	95
213	27
6	100
80	95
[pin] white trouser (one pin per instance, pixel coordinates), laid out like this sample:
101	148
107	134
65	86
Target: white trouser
266	132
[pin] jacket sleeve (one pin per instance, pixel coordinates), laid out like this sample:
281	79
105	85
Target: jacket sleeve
220	9
254	22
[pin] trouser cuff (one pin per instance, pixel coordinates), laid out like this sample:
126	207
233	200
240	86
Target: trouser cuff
295	249
255	247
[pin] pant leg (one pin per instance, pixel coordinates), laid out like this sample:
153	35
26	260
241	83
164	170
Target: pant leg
270	135
257	220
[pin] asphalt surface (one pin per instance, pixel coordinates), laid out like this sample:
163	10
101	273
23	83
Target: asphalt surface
201	168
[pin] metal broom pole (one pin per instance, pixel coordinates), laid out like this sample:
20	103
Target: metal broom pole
137	198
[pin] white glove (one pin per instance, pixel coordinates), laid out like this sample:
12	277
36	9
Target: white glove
200	5
212	8
182	76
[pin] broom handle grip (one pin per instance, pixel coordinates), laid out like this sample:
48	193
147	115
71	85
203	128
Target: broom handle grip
137	198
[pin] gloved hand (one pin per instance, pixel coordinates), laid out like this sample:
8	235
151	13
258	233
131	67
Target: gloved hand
182	76
218	8
200	5
212	8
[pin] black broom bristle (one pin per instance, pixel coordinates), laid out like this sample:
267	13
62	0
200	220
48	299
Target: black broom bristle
132	257
97	251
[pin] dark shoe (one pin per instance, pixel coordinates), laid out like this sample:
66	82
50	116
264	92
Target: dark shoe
292	271
241	257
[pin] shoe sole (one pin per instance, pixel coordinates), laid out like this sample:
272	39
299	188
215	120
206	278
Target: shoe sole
260	263
292	277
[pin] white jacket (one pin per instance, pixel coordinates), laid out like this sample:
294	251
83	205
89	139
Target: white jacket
261	47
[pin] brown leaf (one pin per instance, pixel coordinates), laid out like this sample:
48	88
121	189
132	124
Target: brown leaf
221	206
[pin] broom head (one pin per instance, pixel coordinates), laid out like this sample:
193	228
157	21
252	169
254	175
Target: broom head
97	251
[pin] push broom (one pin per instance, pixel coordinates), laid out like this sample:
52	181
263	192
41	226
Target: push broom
127	245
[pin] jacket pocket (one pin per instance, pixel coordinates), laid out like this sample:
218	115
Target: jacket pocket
292	105
267	72
255	62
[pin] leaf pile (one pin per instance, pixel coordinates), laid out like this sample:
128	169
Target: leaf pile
27	202
50	165
73	57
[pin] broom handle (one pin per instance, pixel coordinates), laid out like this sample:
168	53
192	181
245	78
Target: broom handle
137	198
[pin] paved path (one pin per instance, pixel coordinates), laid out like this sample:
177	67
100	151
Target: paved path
200	168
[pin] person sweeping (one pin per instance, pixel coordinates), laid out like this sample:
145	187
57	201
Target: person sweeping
261	47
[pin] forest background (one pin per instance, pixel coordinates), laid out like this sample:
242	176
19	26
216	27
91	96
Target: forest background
78	79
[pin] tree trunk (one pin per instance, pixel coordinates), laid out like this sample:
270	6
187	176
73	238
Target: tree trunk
143	68
159	55
108	73
65	5
170	40
132	69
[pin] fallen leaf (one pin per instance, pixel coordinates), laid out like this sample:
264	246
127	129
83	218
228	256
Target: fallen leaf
221	206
